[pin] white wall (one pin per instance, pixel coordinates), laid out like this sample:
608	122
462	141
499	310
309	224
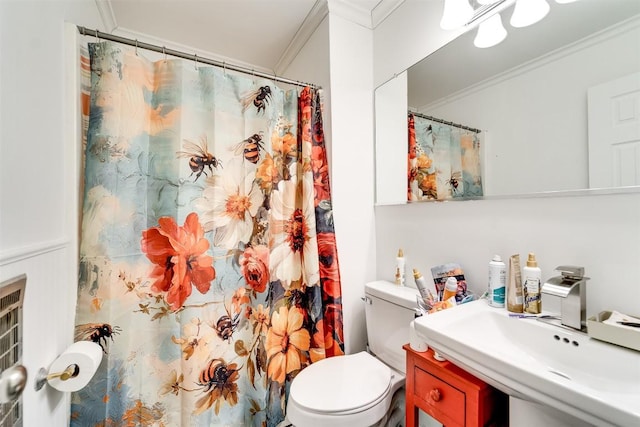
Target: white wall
601	233
38	211
351	53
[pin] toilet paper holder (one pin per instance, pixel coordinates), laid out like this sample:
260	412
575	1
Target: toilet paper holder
43	376
72	369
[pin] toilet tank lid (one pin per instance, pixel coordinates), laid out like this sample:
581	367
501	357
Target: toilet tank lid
401	295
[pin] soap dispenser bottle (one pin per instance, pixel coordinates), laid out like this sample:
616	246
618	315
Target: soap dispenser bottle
531	276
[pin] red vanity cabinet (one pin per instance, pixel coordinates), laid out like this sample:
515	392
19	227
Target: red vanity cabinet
450	395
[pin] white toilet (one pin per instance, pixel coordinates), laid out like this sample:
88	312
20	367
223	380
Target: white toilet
356	390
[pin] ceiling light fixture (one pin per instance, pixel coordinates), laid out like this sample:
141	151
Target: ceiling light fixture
565	1
528	12
488	1
490	32
456	14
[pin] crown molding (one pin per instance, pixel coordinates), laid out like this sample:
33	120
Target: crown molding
311	22
107	15
351	12
383	10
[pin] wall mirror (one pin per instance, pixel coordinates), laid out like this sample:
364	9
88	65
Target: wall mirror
548	100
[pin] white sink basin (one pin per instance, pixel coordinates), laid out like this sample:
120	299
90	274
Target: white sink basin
541	362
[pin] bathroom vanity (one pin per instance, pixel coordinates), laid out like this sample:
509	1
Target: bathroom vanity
449	394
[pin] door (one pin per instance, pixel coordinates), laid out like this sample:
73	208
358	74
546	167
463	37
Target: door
614	133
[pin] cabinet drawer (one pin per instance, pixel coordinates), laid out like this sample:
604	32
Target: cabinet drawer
444	402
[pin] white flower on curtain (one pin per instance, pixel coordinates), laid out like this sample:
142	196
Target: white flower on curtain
294	256
228	205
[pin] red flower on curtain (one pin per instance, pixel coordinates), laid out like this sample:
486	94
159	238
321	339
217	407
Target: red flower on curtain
320	174
254	263
329	272
325	344
179	255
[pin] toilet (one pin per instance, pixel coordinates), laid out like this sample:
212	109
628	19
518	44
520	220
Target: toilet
356	390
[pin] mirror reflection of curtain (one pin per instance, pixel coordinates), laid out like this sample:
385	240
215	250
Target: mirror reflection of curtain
443	161
208	264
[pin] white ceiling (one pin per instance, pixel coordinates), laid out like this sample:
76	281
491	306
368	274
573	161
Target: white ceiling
259	33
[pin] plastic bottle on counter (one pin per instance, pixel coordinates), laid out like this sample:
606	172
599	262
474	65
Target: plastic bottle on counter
450	288
497	281
400	268
531	276
515	300
421	284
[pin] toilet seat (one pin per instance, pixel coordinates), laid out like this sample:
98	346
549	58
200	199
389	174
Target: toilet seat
341	385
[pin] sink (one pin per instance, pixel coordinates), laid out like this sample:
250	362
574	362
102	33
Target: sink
540	361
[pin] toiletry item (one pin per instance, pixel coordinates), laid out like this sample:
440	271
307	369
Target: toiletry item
415	341
515	298
438	357
421	284
531	276
400	268
440	275
450	288
443	305
497	281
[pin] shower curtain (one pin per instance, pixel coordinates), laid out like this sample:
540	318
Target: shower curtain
208	264
443	161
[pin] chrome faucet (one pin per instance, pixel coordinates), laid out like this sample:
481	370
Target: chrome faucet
570	289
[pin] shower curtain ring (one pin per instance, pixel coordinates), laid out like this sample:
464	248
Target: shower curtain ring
195	59
136	47
164	52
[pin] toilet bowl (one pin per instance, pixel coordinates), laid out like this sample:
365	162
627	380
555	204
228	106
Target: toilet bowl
356	390
351	391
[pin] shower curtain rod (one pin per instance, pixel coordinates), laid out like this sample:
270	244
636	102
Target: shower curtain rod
456	125
193	57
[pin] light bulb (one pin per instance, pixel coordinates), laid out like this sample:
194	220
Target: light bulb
490	32
528	12
456	13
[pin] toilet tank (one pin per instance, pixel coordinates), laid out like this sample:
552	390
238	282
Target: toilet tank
389	309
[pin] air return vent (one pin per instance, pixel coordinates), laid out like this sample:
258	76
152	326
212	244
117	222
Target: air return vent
11	299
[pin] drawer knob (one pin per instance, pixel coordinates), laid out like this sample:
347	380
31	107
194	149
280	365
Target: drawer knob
435	395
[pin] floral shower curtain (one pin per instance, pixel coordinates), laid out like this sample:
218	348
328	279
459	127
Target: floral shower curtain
443	161
208	264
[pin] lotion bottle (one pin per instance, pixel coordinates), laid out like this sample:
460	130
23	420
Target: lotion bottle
450	288
531	276
400	268
515	303
497	281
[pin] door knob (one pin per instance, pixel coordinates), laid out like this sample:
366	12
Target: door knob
12	383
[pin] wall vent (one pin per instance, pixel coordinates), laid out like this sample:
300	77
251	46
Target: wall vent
11	301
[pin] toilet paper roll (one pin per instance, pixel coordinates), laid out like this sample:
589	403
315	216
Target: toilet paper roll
415	341
87	355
